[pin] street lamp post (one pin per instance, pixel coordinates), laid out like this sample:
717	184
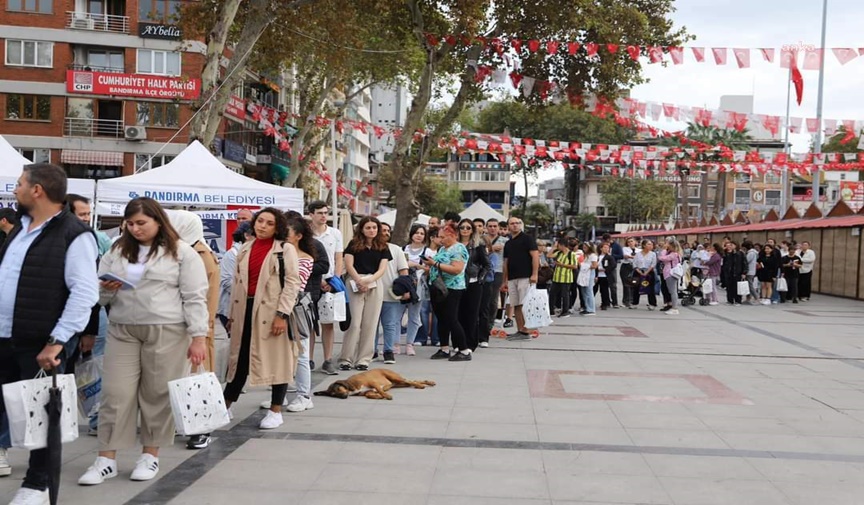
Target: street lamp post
817	148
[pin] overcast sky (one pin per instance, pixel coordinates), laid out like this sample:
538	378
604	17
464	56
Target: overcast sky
755	24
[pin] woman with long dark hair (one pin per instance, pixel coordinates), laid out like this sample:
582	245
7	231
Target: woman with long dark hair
366	260
670	257
645	266
586	278
417	250
449	264
266	285
470	316
153	329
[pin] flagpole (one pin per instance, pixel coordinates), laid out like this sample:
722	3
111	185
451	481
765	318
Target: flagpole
817	148
784	202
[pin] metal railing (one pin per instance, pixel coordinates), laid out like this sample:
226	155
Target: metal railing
84	127
91	68
97	22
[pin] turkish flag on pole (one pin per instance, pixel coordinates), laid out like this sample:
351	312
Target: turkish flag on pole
719	55
812	59
797	80
742	56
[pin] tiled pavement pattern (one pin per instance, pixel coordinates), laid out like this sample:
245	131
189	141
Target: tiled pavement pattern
719	405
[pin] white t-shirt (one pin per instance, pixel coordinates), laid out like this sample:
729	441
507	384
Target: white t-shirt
600	271
586	265
135	271
332	241
392	273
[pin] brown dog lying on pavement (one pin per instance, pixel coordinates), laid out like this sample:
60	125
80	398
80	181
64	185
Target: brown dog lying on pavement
372	384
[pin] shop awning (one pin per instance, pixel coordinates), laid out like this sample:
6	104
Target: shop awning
101	158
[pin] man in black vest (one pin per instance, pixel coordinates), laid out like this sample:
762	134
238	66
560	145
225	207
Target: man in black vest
48	285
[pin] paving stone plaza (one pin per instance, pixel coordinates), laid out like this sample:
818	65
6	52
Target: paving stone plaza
718	405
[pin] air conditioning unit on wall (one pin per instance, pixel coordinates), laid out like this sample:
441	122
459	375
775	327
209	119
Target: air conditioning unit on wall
82	24
135	133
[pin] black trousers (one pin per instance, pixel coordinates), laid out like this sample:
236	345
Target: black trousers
574	295
561	296
793	284
732	295
626	273
488	305
20	364
469	314
612	281
603	286
805	285
664	290
652	293
235	387
450	332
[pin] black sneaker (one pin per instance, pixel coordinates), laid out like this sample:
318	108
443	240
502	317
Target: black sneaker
564	314
362	368
460	357
664	309
508	323
389	359
440	355
375	355
345	366
311	365
198	441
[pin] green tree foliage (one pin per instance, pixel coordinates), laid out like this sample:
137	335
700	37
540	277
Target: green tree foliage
440	197
585	221
535	215
637	200
835	144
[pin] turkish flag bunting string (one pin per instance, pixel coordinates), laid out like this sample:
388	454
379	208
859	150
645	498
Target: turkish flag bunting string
655	54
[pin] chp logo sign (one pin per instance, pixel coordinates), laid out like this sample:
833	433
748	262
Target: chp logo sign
82	82
132	85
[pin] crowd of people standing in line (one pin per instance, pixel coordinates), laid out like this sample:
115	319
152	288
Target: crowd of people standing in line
148	301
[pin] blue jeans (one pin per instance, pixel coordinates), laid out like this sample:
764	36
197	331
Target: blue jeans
391	324
587	293
303	377
415	321
431	331
5	437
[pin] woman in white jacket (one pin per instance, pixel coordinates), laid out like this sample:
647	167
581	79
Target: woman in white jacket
153	328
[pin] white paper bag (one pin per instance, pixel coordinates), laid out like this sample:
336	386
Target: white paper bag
198	404
707	286
743	288
782	286
535	308
331	308
28	418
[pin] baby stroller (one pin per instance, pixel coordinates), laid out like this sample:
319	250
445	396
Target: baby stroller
690	286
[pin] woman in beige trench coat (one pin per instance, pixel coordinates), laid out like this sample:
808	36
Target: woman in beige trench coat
260	304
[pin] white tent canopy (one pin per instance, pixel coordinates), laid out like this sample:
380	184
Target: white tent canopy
482	210
390	218
195	178
11	165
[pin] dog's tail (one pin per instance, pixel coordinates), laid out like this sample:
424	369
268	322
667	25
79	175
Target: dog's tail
322	393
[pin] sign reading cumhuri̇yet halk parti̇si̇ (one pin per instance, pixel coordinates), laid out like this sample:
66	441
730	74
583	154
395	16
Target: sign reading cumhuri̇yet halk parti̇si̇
132	85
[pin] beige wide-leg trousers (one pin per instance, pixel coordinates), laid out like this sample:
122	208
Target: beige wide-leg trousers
139	361
359	341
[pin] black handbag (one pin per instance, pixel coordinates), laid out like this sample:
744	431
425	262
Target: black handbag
438	289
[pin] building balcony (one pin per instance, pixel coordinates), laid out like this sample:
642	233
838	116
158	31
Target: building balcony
97	22
85	127
91	68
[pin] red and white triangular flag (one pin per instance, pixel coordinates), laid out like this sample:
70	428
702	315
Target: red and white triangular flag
788	57
699	53
830	127
719	55
845	54
742	56
812	124
767	54
677	54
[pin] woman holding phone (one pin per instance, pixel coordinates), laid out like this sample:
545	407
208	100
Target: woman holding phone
153	329
416	252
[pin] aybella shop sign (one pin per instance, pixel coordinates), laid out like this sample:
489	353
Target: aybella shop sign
159	31
133	85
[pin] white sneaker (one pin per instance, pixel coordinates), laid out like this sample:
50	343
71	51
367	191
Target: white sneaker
146	468
5	467
299	404
673	312
714	303
27	496
103	468
484	344
266	403
230	413
271	420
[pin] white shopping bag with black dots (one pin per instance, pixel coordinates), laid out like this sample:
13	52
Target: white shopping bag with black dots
198	404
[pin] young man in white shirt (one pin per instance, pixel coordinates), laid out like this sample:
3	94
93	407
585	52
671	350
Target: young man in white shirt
333	242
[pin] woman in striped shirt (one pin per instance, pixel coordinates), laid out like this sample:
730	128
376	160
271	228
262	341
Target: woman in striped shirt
562	277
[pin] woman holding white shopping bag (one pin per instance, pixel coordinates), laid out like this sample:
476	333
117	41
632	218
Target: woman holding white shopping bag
158	320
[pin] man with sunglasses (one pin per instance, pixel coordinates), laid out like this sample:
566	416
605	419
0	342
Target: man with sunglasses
521	264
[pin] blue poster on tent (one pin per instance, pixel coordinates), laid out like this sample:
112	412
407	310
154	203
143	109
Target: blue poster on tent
214	234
